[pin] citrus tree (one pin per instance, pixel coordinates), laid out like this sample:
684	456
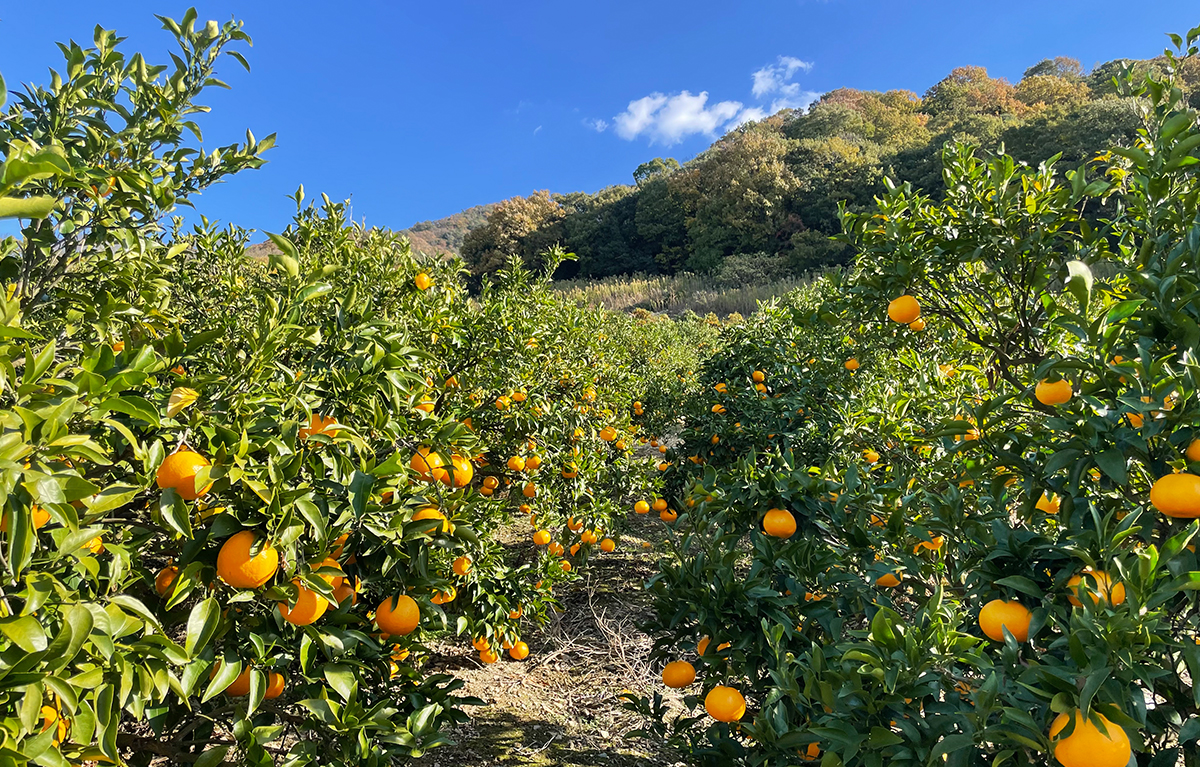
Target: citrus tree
242	495
985	551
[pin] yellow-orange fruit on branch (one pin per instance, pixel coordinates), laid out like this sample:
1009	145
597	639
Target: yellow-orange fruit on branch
998	615
1177	495
178	471
779	523
1087	746
678	674
904	309
725	704
243	570
1053	392
398	615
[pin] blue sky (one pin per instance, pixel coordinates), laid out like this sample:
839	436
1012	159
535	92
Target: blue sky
416	110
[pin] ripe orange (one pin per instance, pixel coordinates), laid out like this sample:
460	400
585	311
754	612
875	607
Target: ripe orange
779	523
998	615
40	518
641	507
398	615
666	515
239	686
345	591
519	651
518	396
458	474
275	682
533	462
725	704
1048	503
851	364
1099	588
242	570
462	566
425	461
556	549
660	504
165	582
904	309
423	280
444	597
918	326
317	424
574	525
309	606
178	471
678	674
1053	392
515	614
758	376
431	512
933	544
1087	746
889	580
516	463
1193	450
541	537
608	544
1177	495
488	656
529	490
481	644
565	565
871	456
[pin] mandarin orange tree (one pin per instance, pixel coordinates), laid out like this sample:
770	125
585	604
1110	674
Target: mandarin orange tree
240	494
991	556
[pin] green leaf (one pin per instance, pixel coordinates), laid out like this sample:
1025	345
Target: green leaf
1079	282
342	679
1022	584
212	756
26	207
1112	463
287	261
25	632
202	624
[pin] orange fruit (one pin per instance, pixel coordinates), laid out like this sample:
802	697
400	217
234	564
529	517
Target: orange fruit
574	549
779	523
275	682
398	615
165	581
239	686
533	462
1053	392
332	564
178	471
95	545
488	656
998	615
431	512
725	704
1193	450
565	565
608	544
889	580
758	376
556	548
678	674
529	490
317	424
462	566
1177	495
588	536
243	570
1099	588
541	537
425	461
641	507
345	591
309	606
458	474
660	504
444	597
666	515
903	310
1048	503
1087	745
918	326
481	644
574	525
519	651
40	518
516	463
423	281
851	364
515	614
871	456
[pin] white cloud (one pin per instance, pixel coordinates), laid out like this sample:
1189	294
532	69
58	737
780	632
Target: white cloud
596	124
535	130
776	79
671	119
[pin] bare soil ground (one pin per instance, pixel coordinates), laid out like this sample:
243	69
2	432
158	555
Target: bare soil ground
561	705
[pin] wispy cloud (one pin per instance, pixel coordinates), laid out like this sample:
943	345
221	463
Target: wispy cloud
670	119
596	124
536	130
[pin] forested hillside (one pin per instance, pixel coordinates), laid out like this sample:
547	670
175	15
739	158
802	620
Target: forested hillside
763	200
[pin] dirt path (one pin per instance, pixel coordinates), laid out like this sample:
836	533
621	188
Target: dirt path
561	706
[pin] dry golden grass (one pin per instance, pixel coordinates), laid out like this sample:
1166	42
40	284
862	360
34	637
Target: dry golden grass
675	295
